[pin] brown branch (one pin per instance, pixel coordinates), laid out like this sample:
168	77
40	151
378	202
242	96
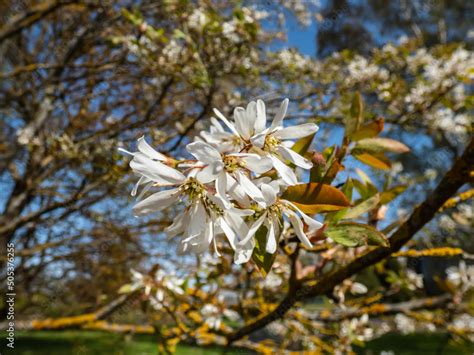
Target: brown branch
449	185
387	308
30	17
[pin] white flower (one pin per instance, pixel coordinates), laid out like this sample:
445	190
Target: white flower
226	183
249	129
270	218
461	276
224	168
149	164
213	316
405	324
358	288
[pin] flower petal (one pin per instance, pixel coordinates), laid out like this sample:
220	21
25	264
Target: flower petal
271	240
261	121
142	180
197	219
226	121
312	223
210	172
204	152
268	194
244	252
229	232
298	227
294	157
156	202
256	163
237	192
287	175
177	227
221	188
242	123
280	115
253	229
146	149
258	140
249	187
156	171
295	132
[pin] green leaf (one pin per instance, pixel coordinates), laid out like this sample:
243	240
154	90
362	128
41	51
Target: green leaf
361	208
314	197
302	145
353	234
369	130
357	113
127	288
391	194
378	144
347	189
375	160
260	257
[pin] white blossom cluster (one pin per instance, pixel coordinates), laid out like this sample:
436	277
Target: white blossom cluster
233	185
359	69
161	283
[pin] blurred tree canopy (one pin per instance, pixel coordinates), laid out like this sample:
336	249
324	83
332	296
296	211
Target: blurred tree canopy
80	78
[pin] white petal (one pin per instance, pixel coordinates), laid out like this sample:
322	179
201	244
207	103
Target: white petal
177	227
204	152
210	172
142	180
261	120
253	229
262	180
271	240
236	223
156	202
244	253
197	219
284	171
256	163
240	212
258	140
215	124
229	233
146	149
268	194
155	171
312	223
125	151
237	192
249	187
221	188
242	122
295	132
226	121
294	157
298	227
280	115
145	190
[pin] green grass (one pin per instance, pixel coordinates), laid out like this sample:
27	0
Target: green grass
73	342
416	344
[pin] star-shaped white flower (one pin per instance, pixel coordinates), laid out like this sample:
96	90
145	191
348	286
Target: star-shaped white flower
271	216
249	129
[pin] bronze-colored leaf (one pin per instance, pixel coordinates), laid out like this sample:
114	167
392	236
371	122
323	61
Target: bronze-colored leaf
369	130
315	197
375	160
